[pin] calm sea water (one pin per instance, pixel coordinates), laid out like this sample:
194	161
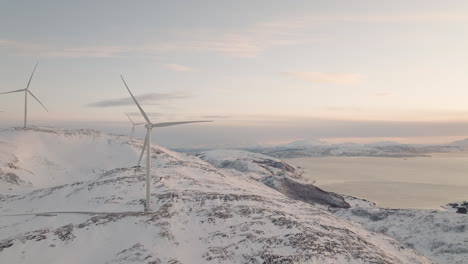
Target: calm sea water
422	182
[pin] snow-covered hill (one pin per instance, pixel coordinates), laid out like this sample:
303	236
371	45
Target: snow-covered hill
274	173
458	207
45	157
439	235
77	199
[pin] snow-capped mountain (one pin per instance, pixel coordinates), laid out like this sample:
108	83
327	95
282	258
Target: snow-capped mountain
378	149
303	143
344	149
76	198
460	143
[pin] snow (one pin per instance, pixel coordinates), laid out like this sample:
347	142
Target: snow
378	149
438	234
460	143
248	163
274	173
303	143
80	200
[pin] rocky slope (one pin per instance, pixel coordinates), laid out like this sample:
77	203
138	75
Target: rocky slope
458	207
438	234
274	173
77	199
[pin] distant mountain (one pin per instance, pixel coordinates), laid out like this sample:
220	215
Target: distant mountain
339	150
303	143
379	149
383	144
461	143
77	198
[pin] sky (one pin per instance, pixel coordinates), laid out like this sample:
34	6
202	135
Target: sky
267	72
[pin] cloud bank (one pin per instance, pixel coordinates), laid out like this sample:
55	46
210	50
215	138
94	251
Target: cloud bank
327	78
179	67
148	99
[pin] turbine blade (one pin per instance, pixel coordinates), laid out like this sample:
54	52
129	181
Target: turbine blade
16	91
143	150
136	102
37	100
32	74
129	118
178	123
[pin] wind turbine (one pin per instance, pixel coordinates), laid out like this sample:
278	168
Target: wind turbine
147	144
26	91
134	124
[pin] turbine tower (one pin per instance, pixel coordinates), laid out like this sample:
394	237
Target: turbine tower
26	92
134	124
147	144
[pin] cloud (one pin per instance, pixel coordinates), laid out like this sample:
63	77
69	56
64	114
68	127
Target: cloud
179	67
90	52
249	42
345	109
22	48
304	22
231	45
216	116
383	94
327	78
148	99
152	114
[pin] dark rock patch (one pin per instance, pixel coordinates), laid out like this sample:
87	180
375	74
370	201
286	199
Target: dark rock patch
305	192
5	244
65	233
10	178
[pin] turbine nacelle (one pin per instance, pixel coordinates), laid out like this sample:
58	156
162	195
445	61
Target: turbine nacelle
133	125
147	143
26	92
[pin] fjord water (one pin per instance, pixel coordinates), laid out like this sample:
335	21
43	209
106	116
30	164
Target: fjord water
418	182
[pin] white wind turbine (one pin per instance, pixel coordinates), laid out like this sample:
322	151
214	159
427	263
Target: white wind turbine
134	124
26	91
147	144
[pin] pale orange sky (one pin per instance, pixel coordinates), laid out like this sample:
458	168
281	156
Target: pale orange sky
280	64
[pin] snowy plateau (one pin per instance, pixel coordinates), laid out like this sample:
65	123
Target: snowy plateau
77	197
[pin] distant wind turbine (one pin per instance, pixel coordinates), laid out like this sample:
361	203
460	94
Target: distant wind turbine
26	91
147	144
134	124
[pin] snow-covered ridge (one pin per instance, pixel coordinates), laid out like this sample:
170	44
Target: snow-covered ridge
44	156
274	173
458	207
89	210
438	234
